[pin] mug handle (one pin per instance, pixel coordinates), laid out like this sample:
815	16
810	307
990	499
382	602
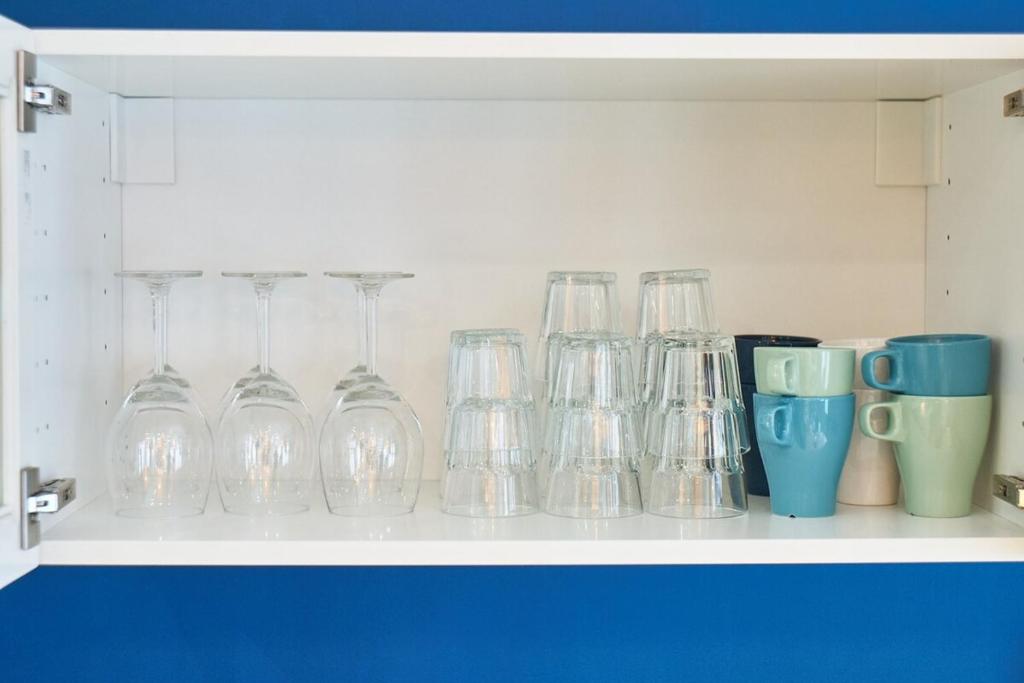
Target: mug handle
895	430
769	421
779	376
867	370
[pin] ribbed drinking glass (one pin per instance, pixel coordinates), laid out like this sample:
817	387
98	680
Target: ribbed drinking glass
592	439
696	431
490	436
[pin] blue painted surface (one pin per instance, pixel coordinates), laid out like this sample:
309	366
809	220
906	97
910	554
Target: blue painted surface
760	623
842	16
839	623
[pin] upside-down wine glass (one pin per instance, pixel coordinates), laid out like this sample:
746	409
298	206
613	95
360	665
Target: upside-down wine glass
265	459
371	444
159	447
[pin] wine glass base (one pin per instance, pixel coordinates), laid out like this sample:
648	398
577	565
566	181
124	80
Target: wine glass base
266	509
160	512
371	510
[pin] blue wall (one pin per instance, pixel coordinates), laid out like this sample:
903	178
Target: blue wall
930	623
915	16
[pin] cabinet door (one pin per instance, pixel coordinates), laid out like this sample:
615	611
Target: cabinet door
13	560
60	338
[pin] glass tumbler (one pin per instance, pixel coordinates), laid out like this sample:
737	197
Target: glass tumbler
696	431
490	439
576	301
592	440
672	303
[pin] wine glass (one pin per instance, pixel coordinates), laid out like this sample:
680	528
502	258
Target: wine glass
371	445
265	457
350	378
159	447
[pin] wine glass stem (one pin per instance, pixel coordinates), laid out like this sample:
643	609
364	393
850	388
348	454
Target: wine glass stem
368	304
263	290
361	304
158	293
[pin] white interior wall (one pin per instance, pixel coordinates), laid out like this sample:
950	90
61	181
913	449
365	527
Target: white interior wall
481	198
975	252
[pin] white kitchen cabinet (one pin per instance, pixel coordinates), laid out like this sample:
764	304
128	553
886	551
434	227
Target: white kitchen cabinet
835	185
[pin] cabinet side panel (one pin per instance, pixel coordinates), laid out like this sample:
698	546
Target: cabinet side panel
975	252
69	310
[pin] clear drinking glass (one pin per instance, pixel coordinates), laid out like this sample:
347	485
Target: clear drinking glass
265	458
371	444
672	303
159	447
576	301
696	431
490	468
676	301
592	440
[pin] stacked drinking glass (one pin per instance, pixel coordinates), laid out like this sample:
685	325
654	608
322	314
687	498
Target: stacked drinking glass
576	302
490	435
692	404
592	441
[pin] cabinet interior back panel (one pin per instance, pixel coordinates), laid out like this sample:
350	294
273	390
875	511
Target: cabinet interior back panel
480	199
975	252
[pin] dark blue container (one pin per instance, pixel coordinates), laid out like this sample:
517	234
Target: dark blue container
753	467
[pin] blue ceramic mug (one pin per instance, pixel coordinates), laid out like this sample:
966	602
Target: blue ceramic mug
803	444
932	365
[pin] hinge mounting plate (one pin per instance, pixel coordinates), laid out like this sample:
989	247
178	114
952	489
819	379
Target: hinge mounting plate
39	499
36	97
1008	488
1013	104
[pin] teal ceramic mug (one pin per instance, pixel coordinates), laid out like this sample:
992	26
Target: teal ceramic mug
932	365
803	444
939	442
805	372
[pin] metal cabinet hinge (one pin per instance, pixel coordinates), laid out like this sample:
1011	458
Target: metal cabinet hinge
1013	104
37	97
1008	488
39	499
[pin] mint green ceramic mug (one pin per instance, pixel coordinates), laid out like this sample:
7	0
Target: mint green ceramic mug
805	372
939	442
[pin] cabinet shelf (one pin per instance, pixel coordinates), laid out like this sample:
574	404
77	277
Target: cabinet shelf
528	66
94	536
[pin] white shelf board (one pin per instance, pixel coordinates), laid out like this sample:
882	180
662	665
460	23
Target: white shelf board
94	536
516	66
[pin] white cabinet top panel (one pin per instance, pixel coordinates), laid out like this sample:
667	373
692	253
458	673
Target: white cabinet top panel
429	537
529	66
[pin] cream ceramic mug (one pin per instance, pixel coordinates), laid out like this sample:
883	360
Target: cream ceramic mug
870	475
